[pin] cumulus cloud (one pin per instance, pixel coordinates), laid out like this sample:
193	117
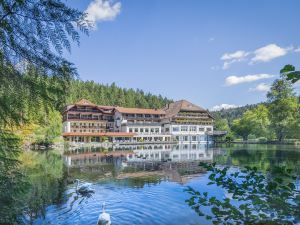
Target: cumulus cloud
269	52
262	87
263	54
234	80
230	58
223	106
102	10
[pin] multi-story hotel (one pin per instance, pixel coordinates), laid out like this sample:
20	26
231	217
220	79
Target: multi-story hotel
145	123
180	121
187	122
86	122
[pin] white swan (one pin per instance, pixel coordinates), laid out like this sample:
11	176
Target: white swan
84	188
104	218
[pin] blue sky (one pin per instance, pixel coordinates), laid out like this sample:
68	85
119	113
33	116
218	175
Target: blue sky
209	52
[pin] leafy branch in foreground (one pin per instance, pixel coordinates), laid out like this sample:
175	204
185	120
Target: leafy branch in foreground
33	35
252	197
290	72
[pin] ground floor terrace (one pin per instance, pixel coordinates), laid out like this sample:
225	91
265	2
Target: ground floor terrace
196	138
117	137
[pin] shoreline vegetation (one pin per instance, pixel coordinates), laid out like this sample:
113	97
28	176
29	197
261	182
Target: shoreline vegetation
275	121
41	126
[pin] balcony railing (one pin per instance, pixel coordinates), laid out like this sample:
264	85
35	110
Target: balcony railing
139	123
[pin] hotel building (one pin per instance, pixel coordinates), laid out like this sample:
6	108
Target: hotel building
187	122
145	123
86	122
180	121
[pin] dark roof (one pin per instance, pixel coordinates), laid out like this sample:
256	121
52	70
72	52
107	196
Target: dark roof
140	111
183	105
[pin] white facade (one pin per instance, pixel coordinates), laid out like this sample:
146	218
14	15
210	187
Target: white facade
144	130
66	127
122	125
189	133
180	153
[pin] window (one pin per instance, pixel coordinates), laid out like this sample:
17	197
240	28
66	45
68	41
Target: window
201	128
141	130
156	130
130	130
152	130
175	129
167	129
136	130
184	128
147	130
208	129
193	128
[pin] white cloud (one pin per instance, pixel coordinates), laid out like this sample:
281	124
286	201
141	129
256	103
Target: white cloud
233	80
230	58
262	87
263	54
269	52
235	55
102	10
223	106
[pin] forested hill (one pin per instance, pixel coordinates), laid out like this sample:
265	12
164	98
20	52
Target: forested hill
233	113
113	95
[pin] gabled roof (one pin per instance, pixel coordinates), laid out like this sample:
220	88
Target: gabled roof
183	105
140	111
84	102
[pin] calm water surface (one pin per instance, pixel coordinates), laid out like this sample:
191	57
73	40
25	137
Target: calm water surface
140	184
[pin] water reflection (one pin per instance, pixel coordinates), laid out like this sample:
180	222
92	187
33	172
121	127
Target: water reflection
146	179
137	161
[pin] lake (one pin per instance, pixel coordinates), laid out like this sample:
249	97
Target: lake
139	184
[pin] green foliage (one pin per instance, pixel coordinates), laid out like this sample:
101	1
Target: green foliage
33	72
289	71
232	113
31	30
12	180
278	118
252	197
112	95
221	124
254	122
45	176
50	130
283	107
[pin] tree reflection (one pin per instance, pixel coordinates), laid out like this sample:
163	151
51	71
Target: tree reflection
29	181
12	181
264	157
45	174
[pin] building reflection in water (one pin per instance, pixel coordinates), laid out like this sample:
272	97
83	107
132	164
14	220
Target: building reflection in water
172	161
